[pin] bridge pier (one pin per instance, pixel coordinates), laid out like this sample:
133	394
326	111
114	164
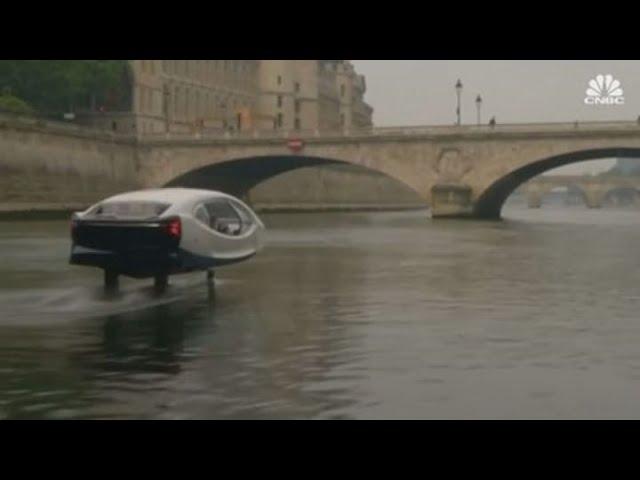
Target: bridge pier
594	196
451	201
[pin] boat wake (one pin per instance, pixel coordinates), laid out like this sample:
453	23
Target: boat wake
48	305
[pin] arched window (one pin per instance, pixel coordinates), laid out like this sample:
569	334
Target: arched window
141	103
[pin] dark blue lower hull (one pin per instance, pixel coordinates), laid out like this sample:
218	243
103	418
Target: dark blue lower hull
145	263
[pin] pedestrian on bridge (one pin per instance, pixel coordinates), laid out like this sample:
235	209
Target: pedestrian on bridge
492	122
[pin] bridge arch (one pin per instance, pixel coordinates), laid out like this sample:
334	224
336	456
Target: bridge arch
631	193
537	193
239	175
490	201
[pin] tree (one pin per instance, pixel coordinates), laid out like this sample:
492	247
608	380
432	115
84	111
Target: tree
10	103
68	85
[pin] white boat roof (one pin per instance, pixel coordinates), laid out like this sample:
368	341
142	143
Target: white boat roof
167	195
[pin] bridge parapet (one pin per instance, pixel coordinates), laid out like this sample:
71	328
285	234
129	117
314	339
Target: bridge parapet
585	128
427	131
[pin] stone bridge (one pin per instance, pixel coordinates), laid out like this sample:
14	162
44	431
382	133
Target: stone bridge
594	190
461	171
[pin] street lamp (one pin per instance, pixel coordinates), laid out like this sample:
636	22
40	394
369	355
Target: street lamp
458	92
478	106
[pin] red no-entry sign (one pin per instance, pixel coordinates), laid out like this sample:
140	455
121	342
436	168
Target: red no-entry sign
295	144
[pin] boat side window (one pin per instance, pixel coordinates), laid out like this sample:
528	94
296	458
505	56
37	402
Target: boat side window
245	216
223	218
202	215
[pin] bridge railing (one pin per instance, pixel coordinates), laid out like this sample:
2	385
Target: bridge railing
400	130
56	123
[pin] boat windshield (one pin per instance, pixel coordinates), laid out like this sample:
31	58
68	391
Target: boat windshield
129	209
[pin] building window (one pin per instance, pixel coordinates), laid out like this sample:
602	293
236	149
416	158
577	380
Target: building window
174	102
297	124
279	80
143	100
297	87
342	90
279	101
297	106
280	120
342	119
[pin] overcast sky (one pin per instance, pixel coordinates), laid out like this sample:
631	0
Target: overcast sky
421	92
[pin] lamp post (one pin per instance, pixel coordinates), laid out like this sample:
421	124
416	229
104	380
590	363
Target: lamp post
458	92
479	106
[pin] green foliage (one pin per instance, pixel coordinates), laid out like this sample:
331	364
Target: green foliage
9	103
68	85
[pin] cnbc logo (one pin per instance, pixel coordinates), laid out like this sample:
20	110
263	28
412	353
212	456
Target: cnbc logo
604	90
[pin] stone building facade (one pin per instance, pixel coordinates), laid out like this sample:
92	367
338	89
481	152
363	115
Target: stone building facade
312	94
187	96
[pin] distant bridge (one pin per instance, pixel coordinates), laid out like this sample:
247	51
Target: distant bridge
460	171
594	190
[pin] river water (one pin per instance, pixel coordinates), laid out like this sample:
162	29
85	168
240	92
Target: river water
342	316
